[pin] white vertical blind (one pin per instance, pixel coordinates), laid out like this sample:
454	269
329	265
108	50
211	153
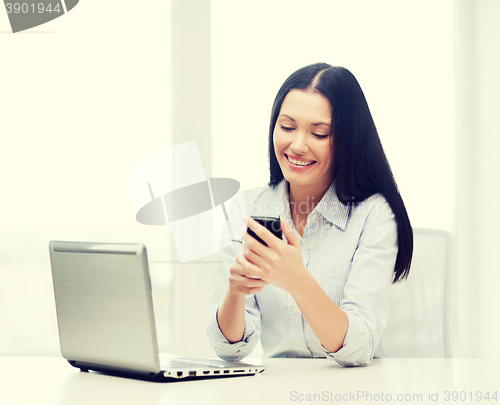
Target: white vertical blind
478	86
194	280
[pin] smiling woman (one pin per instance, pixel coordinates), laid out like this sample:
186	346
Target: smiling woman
321	292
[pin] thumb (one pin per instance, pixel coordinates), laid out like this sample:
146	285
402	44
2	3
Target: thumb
290	236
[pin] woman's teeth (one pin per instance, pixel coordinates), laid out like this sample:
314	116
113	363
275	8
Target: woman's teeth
299	162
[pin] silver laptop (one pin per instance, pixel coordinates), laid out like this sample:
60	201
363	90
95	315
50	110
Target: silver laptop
105	315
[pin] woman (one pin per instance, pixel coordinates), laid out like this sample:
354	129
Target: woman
322	292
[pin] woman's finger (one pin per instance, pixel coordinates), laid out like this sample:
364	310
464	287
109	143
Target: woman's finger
251	256
244	284
249	269
290	236
253	283
253	244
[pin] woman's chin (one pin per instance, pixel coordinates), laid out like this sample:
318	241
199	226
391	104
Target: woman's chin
292	178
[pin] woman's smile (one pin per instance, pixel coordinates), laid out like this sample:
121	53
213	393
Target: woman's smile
299	164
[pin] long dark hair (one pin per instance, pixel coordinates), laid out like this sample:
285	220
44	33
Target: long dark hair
361	168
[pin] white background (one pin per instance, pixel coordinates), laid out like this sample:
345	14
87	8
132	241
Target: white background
83	99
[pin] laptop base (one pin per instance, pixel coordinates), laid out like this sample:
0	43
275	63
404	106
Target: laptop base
142	375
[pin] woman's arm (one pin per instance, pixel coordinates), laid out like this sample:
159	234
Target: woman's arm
234	325
231	316
231	313
328	321
234	348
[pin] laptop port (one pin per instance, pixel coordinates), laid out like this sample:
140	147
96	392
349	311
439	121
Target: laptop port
192	373
238	371
206	372
216	371
226	371
179	373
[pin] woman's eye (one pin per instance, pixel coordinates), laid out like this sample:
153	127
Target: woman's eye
286	128
321	136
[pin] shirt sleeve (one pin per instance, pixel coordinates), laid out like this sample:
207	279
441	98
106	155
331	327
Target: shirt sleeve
366	293
223	348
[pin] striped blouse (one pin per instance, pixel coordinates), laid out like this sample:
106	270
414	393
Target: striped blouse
350	251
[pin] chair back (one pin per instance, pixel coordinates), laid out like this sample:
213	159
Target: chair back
419	321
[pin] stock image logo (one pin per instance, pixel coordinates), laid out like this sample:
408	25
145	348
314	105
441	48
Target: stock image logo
171	186
29	14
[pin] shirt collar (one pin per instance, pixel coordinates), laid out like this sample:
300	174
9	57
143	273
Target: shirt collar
329	207
332	209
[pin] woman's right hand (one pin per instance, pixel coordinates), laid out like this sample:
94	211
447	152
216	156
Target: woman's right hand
240	283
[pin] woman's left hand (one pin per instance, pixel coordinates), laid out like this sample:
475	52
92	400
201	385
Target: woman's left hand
279	263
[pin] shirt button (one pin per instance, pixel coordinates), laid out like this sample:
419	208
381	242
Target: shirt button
298	342
328	226
314	216
294	310
309	247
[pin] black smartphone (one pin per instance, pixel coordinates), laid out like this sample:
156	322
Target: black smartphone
273	225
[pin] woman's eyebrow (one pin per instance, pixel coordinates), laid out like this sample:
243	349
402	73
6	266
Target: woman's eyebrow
313	124
284	115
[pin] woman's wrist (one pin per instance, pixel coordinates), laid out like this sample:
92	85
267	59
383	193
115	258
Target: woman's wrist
235	296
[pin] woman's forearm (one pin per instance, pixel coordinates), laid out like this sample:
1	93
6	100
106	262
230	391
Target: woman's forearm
231	316
328	321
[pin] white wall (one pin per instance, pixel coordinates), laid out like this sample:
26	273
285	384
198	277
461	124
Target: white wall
478	129
488	137
82	99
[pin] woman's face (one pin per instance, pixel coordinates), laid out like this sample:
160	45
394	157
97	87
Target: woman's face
302	140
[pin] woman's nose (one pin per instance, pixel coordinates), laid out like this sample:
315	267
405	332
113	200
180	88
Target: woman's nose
299	144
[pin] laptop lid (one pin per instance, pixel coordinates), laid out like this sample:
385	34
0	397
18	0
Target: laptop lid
104	304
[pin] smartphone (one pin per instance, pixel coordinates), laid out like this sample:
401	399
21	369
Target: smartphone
273	225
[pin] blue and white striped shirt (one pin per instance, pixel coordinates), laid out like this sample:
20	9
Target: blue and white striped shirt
350	251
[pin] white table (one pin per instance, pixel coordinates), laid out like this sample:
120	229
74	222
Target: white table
51	380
